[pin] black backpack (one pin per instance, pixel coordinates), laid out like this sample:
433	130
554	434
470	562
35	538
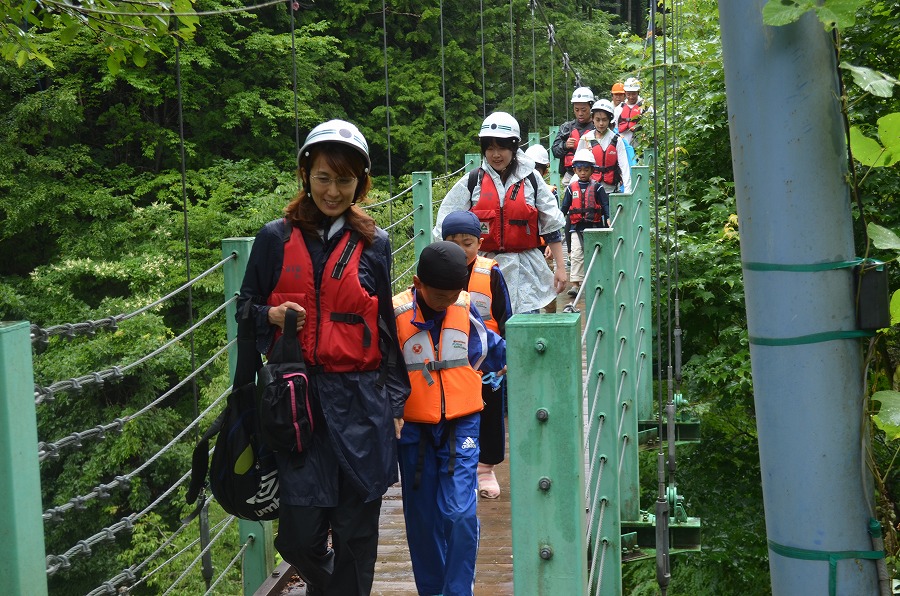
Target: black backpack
243	475
285	412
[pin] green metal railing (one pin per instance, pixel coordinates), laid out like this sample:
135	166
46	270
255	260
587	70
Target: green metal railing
573	437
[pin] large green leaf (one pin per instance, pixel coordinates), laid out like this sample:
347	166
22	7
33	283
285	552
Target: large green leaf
882	237
866	151
784	12
888	417
875	82
889	133
895	308
838	13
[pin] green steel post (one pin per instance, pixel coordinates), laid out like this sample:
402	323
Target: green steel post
534	138
422	222
555	176
259	558
640	177
23	565
473	160
626	343
603	414
546	437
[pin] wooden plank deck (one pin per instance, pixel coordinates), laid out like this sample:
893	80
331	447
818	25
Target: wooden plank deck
393	571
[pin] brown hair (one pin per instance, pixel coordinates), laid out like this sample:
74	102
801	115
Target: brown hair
345	161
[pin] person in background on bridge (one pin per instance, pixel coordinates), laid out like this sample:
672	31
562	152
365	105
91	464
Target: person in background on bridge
445	343
488	292
609	148
566	141
617	94
515	209
327	260
628	115
542	167
587	205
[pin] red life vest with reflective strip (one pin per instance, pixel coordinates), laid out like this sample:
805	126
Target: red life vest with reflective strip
570	154
584	203
629	116
510	228
607	169
444	384
338	309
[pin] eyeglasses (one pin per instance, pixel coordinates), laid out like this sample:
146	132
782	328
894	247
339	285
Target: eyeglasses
342	182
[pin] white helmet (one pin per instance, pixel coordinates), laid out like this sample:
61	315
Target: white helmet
500	125
603	105
632	84
337	131
538	154
583	94
584	156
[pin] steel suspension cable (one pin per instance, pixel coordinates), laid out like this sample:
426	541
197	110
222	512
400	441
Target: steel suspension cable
533	67
443	86
483	85
187	239
512	61
291	5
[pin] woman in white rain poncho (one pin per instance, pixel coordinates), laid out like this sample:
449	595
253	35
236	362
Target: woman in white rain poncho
516	209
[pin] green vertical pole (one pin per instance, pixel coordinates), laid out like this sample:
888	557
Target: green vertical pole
473	160
422	211
534	138
547	472
640	176
22	566
603	415
259	558
555	176
623	291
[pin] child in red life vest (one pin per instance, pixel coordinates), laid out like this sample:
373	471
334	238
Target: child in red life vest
488	292
587	206
444	343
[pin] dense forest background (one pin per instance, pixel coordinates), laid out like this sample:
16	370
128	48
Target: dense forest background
93	216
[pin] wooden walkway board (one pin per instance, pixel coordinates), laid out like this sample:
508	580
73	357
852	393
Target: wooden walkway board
393	571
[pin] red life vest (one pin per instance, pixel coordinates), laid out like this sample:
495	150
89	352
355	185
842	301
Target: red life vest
607	169
510	228
338	308
480	291
628	120
584	203
570	153
444	384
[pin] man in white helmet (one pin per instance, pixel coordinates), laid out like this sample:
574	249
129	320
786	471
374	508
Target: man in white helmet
570	132
628	114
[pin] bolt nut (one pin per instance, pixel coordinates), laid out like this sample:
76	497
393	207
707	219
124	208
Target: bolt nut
544	483
542	414
546	552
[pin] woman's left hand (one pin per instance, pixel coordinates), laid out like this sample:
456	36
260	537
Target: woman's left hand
398	426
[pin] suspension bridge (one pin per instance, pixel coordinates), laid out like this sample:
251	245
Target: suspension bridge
581	387
582	381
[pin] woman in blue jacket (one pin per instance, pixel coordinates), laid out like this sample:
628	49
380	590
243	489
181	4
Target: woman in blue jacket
327	260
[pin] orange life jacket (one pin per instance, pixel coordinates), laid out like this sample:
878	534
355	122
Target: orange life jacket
338	308
480	291
510	228
444	384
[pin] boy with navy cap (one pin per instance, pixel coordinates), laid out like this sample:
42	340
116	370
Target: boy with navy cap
488	292
445	343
